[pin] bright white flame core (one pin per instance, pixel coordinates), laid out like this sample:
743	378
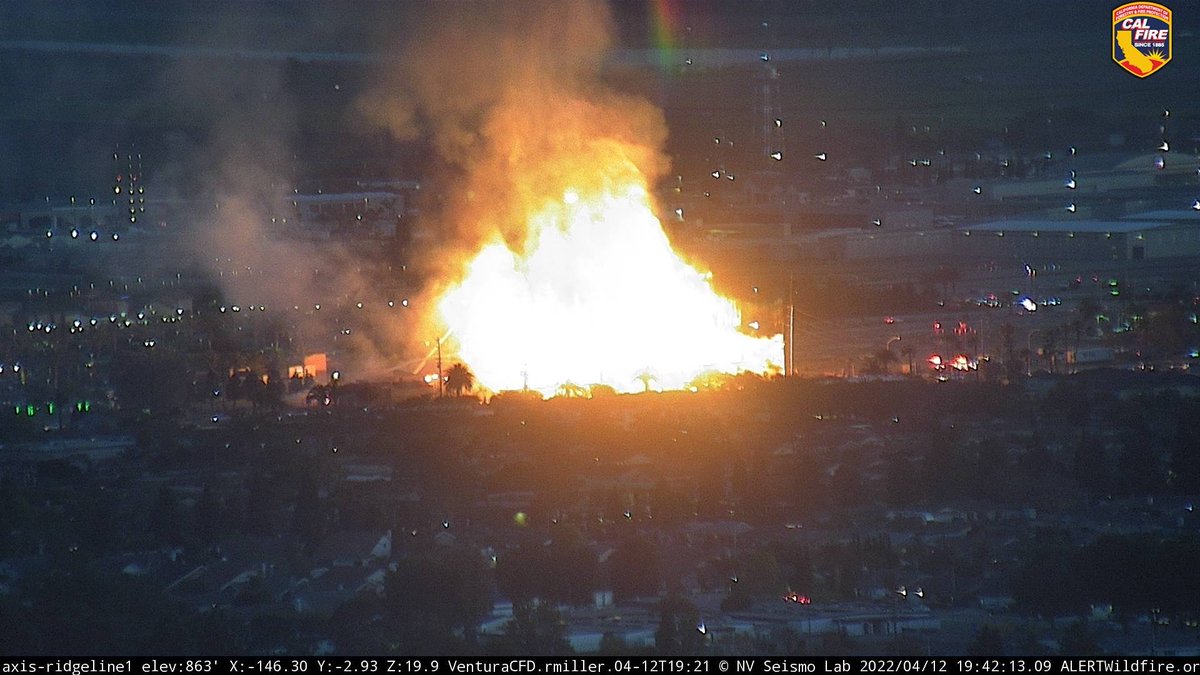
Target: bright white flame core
599	297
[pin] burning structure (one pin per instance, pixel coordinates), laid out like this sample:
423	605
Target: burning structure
596	295
554	269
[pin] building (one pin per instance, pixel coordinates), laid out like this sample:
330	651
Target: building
1145	236
348	214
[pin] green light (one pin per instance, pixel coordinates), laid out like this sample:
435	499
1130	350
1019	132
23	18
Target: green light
50	408
30	410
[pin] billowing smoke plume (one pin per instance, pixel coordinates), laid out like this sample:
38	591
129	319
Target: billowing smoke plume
512	97
245	236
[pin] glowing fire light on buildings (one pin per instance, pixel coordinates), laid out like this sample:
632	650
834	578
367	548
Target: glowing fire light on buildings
597	297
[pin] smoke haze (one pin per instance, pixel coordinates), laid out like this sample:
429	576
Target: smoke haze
507	96
512	98
246	164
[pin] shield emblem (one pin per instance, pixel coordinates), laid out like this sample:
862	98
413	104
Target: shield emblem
1141	40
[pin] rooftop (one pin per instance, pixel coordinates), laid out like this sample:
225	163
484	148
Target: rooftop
1191	215
1094	226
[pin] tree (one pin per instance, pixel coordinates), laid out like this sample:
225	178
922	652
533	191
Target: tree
536	629
267	390
448	591
880	362
214	632
988	642
1078	641
1014	365
1050	347
150	380
1048	584
945	278
1089	309
1163	331
1089	465
598	390
757	576
571	566
678	630
565	570
209	516
646	377
90	612
459	379
795	565
1137	466
468	593
901	481
634	569
907	352
1185	452
518	573
308	516
16	515
165	518
612	644
571	390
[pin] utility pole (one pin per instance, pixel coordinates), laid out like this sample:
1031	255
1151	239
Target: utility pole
441	382
789	355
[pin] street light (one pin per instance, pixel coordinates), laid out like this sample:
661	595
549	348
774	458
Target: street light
887	348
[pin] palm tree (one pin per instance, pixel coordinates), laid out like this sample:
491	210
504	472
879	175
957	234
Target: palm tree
886	358
646	377
1089	309
880	362
459	379
1050	346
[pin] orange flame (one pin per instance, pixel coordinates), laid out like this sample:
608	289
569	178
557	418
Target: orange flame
597	297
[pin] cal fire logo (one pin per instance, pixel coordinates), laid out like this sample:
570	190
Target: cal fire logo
1142	37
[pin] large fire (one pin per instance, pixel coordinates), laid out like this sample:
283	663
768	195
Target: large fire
596	295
